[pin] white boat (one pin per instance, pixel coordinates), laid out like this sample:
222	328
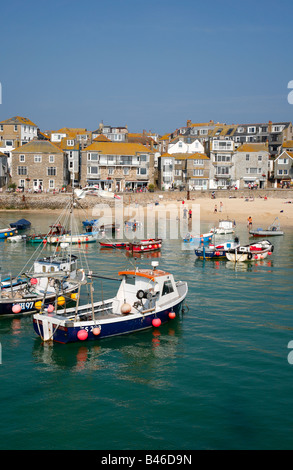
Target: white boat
16	238
273	230
225	227
146	298
252	252
89	237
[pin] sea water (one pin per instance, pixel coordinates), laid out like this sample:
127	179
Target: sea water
218	377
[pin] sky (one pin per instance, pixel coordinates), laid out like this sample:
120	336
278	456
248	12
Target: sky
151	65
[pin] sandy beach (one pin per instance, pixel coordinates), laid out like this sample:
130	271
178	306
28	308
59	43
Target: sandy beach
263	211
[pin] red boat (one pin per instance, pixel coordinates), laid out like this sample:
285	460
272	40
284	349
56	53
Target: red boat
143	246
119	245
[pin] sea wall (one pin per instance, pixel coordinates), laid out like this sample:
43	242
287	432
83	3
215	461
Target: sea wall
26	201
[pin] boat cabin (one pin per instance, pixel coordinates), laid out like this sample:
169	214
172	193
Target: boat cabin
146	289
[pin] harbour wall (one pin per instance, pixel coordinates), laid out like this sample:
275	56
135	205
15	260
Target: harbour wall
26	201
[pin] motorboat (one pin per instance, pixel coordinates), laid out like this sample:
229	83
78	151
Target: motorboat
251	252
146	298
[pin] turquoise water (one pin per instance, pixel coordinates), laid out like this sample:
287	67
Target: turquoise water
216	378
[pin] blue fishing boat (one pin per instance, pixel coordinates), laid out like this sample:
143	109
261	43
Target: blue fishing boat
216	251
7	232
21	224
197	240
146	298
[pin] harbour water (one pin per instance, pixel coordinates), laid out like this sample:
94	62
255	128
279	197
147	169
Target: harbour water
218	377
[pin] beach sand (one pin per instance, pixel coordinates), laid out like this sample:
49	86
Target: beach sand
263	211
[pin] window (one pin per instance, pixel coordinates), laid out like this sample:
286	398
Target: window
51	158
251	170
126	170
259	158
51	184
9	143
283	161
70	142
203	131
22	170
251	130
197	172
167	288
38	158
21	158
1	127
22	183
197	162
222	170
15	128
94	157
178	172
247	157
51	171
111	170
93	170
143	158
141	171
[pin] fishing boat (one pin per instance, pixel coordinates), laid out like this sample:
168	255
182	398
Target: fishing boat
197	240
56	230
216	251
89	237
21	224
251	252
273	230
146	298
51	280
108	228
225	227
144	246
133	225
7	232
118	245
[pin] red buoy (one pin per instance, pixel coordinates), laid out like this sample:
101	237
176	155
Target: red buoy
156	322
82	335
172	315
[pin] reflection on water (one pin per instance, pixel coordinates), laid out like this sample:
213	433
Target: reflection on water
134	352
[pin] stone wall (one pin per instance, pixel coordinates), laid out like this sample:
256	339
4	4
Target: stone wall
58	201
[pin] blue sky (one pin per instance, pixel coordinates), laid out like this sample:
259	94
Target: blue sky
148	64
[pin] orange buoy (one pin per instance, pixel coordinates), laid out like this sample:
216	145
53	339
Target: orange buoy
172	315
96	331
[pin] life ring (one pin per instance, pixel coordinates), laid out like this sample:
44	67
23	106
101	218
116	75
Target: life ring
249	255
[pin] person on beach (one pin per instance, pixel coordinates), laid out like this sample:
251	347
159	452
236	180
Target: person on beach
184	213
221	205
190	213
249	222
215	209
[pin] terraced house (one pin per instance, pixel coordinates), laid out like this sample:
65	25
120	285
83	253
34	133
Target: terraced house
190	171
14	132
117	166
39	165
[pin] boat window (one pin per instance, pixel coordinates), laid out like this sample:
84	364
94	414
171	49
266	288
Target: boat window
167	288
130	280
44	269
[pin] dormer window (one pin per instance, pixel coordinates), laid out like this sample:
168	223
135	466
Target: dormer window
70	142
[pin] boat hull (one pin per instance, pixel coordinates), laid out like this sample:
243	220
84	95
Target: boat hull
266	233
28	304
118	326
9	232
210	254
246	256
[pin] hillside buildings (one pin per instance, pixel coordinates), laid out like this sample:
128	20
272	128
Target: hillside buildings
196	156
